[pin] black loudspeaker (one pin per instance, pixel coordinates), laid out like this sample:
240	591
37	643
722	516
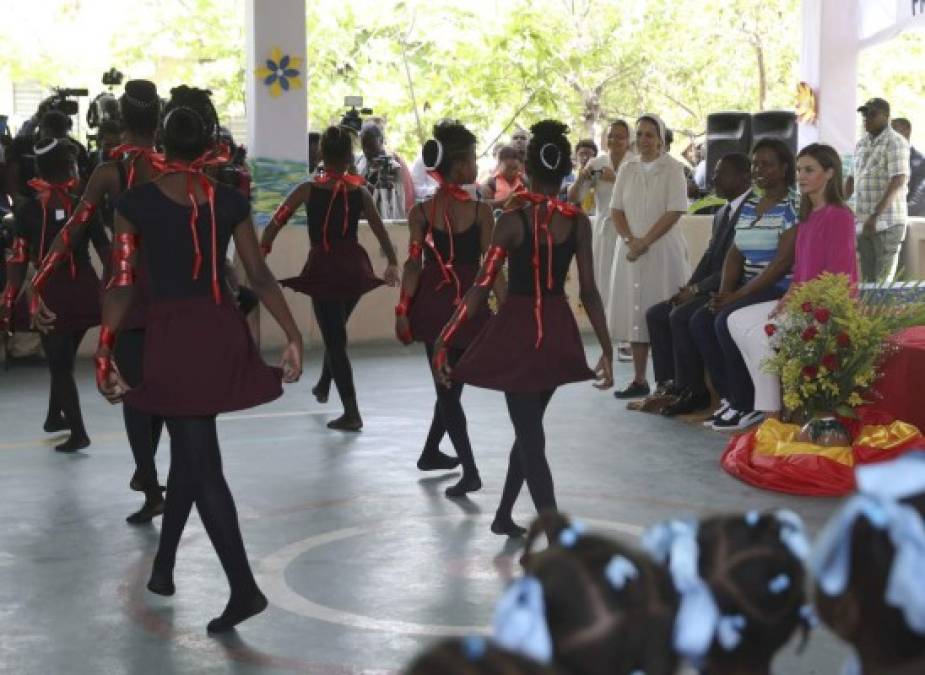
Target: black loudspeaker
779	124
727	132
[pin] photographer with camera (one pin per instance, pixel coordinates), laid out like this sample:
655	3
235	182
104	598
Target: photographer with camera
387	175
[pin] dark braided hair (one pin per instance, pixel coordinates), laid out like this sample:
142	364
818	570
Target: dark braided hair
752	572
55	164
336	145
456	142
55	124
878	631
549	153
472	656
190	122
140	107
597	628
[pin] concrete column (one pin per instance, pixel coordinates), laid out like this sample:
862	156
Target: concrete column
828	64
277	115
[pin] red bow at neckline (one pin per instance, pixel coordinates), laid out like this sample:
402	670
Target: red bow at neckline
133	153
553	206
196	170
341	181
454	191
45	191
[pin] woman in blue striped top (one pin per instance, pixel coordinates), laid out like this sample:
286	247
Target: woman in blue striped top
757	269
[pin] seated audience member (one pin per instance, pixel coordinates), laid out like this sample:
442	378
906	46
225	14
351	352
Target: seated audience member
916	184
755	270
868	567
588	605
825	243
741	585
473	655
386	173
508	180
676	361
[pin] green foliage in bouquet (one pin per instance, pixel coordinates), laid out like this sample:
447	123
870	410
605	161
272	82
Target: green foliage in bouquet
829	344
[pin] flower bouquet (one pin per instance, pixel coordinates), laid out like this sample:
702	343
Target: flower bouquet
829	343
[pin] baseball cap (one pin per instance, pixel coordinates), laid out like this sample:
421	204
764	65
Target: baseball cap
875	105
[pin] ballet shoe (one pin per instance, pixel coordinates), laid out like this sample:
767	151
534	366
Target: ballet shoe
161	583
507	527
346	422
437	461
465	485
74	443
321	393
238	611
153	507
55	424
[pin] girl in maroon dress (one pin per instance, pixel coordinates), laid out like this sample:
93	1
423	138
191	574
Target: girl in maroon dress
72	292
338	271
449	233
199	358
135	162
532	346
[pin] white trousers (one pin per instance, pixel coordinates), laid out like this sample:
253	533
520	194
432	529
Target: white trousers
747	329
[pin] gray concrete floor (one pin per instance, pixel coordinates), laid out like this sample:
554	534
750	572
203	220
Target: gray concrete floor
363	559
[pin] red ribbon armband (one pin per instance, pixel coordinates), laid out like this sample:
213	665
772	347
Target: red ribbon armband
83	214
266	249
415	250
20	252
283	214
404	304
449	332
123	272
494	260
9	296
103	358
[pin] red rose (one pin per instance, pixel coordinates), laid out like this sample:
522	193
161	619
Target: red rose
810	333
843	340
807	307
822	315
809	372
830	361
770	329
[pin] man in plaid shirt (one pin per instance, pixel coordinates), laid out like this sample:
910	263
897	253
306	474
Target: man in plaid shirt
878	188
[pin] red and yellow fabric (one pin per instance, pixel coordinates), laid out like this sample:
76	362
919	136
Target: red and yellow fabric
771	458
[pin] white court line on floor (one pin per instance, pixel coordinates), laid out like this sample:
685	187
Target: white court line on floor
260	416
271	576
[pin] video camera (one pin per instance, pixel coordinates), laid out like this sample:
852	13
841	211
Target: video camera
62	100
351	119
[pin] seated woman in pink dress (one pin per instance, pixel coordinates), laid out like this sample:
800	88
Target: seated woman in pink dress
825	243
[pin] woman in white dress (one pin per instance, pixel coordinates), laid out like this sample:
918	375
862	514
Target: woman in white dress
649	197
599	174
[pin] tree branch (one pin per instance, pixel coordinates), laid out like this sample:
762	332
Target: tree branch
509	124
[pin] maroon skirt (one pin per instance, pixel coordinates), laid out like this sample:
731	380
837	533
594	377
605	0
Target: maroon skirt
200	359
433	306
75	301
343	273
504	357
21	321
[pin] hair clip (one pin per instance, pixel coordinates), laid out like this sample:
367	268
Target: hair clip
808	616
793	533
569	536
55	142
752	518
139	103
520	621
619	571
779	584
552	166
729	631
474	647
439	157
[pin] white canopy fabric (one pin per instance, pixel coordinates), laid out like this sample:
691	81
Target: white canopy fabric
882	20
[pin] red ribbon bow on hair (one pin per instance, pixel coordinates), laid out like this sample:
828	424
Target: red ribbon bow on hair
456	192
194	171
553	206
45	191
341	181
133	153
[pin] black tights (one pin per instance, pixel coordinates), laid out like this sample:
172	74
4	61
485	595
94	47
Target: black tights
196	477
449	416
528	455
332	317
61	351
143	430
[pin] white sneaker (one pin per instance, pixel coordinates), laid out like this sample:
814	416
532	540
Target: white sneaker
735	420
719	412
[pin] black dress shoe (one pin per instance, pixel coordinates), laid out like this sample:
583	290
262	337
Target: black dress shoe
634	390
687	403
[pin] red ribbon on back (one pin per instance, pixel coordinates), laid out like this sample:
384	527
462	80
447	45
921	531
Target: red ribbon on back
194	171
454	191
62	191
133	153
552	206
340	181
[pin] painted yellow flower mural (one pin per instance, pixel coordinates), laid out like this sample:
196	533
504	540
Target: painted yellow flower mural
280	72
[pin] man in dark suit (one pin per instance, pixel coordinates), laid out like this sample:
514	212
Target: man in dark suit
678	365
